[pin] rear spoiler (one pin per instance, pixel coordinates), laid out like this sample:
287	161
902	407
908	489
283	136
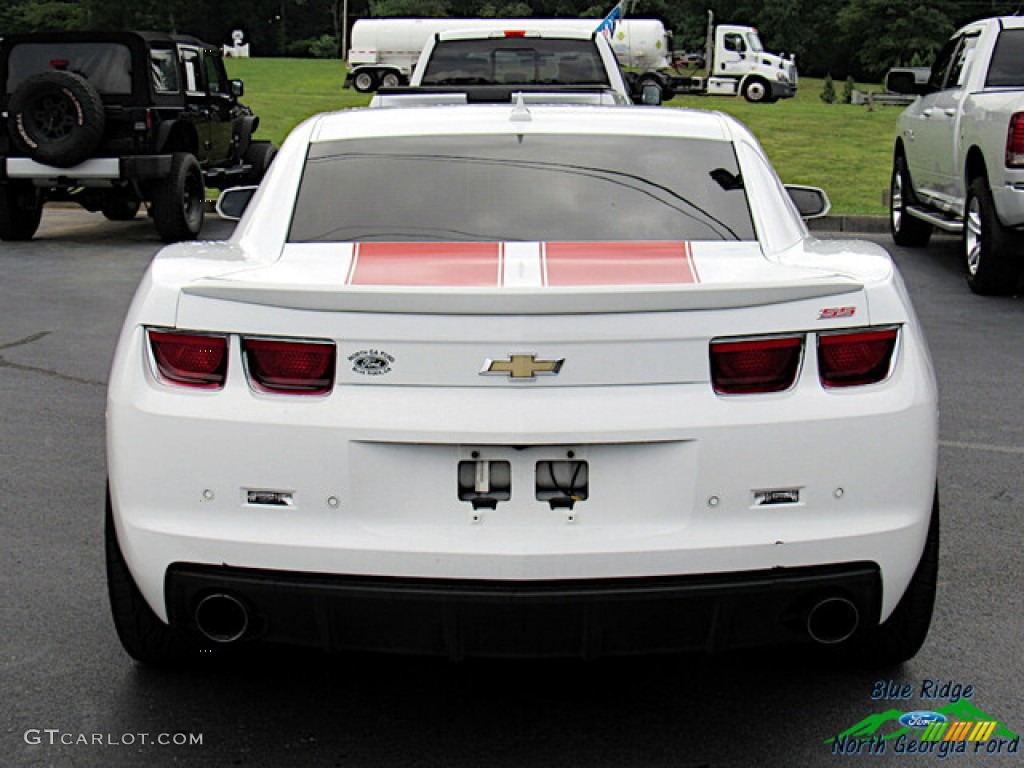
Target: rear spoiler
511	301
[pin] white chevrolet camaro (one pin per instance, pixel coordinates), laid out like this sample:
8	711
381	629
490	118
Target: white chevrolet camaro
522	381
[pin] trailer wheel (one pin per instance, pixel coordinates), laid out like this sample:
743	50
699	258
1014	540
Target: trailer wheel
756	90
390	80
365	81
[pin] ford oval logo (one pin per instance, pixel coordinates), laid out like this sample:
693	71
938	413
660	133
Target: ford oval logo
922	719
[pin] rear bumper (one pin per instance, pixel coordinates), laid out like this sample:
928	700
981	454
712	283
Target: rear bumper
585	618
98	171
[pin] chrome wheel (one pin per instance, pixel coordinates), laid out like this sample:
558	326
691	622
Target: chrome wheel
896	201
972	236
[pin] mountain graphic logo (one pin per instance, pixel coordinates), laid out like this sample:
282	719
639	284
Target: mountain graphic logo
885	726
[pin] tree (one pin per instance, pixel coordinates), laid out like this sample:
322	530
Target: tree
886	33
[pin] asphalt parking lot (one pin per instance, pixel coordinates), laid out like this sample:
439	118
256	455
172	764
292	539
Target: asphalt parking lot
73	698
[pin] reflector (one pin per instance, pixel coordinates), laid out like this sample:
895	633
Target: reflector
190	359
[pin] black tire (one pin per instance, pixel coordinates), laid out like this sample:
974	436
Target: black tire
992	256
756	90
901	636
390	80
179	200
21	208
142	634
906	230
117	206
365	81
56	118
259	156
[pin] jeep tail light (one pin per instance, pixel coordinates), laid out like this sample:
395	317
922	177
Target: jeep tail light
291	367
1015	142
854	358
190	359
751	366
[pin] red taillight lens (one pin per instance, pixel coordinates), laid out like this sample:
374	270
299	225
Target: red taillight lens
1015	142
755	365
292	367
190	359
515	33
852	359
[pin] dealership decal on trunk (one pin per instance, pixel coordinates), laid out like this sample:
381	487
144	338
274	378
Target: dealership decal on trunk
371	362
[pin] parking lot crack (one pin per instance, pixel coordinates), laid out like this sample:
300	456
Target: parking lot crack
5	363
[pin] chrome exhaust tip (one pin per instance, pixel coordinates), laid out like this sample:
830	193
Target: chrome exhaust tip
832	620
222	618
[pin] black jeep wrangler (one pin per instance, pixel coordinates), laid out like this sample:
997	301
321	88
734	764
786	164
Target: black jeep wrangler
116	120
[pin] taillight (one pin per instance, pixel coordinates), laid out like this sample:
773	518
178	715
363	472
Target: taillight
1015	142
854	358
755	365
515	33
190	359
292	367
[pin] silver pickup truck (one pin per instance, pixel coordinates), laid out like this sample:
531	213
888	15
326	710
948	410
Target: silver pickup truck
958	162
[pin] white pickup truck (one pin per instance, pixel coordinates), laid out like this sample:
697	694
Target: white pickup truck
958	163
498	65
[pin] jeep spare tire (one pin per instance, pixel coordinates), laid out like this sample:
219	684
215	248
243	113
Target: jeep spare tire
56	118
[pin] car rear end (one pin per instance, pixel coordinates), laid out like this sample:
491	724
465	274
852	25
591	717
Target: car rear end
390	434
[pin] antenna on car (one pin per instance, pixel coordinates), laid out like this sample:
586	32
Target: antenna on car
520	114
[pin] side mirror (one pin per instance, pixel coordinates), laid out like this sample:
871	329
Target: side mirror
237	89
811	202
910	81
232	202
650	94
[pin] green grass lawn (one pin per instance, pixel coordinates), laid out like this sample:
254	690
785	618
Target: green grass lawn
844	149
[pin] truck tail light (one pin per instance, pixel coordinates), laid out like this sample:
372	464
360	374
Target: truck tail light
751	366
290	367
190	359
1015	141
849	359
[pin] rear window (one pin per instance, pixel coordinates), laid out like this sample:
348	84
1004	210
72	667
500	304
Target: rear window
107	66
1007	67
518	61
521	187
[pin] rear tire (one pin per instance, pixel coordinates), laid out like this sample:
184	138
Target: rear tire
992	255
179	200
901	636
21	209
390	80
142	634
259	155
906	229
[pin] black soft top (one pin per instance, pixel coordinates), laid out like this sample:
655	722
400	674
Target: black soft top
129	38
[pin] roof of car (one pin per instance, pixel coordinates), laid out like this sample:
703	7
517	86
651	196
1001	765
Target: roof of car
532	118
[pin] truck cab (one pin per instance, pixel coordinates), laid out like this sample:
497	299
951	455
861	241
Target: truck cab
739	64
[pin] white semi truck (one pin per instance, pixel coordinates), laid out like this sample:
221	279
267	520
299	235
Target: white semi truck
384	53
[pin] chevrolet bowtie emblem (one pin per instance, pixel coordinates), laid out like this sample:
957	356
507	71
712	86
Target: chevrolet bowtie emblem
522	366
